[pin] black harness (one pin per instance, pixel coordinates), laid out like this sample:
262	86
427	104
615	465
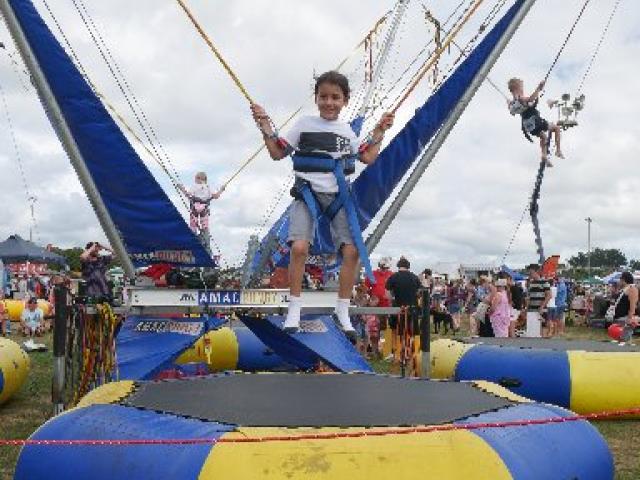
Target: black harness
532	122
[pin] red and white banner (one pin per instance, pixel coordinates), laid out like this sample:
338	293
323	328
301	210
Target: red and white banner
27	268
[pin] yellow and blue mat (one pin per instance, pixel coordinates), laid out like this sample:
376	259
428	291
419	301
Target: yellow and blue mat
316	426
582	375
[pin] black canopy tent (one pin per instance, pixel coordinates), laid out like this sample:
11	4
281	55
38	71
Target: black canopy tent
15	249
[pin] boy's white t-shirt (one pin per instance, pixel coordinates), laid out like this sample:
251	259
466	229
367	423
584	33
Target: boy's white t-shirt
315	134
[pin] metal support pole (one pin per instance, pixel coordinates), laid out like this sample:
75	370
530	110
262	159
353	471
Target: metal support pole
66	138
59	348
588	220
443	133
425	334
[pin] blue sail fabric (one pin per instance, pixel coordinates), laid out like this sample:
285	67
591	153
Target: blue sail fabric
150	226
377	182
148	345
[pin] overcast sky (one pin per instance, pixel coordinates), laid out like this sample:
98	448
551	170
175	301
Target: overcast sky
467	204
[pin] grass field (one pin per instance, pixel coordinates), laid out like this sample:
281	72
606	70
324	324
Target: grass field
31	407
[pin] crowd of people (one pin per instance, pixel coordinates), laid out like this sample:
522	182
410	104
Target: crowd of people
36	291
496	306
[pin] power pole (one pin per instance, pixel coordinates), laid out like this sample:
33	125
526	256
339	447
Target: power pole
588	220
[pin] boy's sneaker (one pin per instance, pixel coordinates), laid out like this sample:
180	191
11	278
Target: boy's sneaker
291	324
559	154
548	163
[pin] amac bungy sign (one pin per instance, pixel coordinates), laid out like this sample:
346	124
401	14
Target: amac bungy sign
219	297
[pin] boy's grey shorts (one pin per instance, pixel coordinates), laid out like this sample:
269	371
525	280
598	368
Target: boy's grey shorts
301	223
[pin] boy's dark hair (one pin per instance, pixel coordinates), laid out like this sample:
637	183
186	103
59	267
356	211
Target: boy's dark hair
334	78
534	266
427	272
627	277
403	263
89	245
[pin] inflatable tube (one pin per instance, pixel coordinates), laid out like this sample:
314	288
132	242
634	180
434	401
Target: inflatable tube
584	376
15	308
154	347
332	426
233	348
14	368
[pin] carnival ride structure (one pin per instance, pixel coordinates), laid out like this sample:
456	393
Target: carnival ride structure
144	227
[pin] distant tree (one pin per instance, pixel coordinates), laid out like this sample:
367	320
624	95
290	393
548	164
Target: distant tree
600	258
634	264
579	261
72	255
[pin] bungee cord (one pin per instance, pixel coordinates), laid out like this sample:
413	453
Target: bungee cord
124	86
215	51
438	53
598	46
19	160
153	147
566	40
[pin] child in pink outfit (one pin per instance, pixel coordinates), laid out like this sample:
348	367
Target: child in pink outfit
200	196
500	313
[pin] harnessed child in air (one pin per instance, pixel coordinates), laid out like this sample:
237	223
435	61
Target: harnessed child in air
200	196
321	146
532	121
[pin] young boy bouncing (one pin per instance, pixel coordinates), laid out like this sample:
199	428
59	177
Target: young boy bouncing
321	145
532	122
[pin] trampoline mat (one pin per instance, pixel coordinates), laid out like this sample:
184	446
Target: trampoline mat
554	344
315	400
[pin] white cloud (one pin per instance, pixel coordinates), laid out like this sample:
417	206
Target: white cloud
464	208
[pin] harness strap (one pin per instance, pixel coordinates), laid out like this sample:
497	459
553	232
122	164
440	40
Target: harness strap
354	224
343	200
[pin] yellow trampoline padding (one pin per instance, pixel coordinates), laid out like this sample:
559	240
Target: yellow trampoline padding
224	350
108	393
15	308
14	364
451	454
445	355
499	391
604	381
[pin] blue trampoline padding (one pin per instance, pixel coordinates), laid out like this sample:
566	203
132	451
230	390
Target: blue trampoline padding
1	381
542	375
572	450
118	462
143	354
253	355
306	349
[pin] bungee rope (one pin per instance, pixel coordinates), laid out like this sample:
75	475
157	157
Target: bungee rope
98	361
515	233
156	147
19	160
125	88
533	210
436	56
597	49
215	51
394	83
533	206
566	40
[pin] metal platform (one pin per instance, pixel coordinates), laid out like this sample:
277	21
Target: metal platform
150	300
